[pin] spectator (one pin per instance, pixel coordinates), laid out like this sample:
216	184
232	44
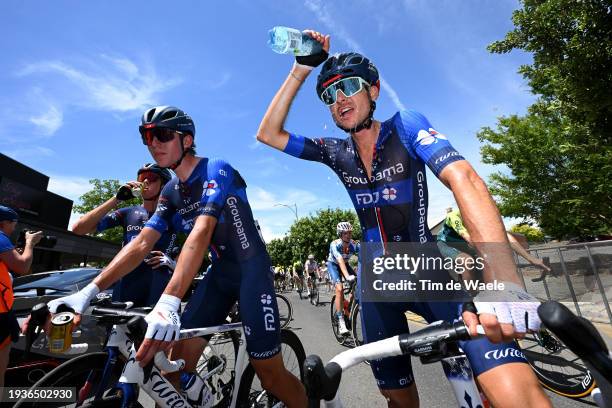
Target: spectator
18	262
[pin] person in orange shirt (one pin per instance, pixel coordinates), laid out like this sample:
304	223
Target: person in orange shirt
19	263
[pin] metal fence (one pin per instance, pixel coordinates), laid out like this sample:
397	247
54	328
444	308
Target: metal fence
581	277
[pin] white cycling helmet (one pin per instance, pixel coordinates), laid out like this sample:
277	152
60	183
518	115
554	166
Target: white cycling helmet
311	257
344	226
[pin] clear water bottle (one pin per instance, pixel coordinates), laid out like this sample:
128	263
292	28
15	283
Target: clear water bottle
195	389
285	40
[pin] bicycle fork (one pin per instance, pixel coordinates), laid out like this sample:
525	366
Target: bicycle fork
461	377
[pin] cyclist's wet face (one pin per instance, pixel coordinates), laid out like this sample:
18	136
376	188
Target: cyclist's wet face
348	112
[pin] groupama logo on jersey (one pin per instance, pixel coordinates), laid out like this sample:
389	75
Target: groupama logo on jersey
431	136
210	187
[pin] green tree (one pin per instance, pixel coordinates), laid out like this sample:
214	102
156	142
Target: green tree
532	234
101	192
559	154
312	235
280	251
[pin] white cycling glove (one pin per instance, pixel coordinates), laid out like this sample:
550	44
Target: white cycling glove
351	278
519	308
78	301
163	322
165	260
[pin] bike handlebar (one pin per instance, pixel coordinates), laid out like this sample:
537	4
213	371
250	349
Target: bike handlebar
430	344
581	337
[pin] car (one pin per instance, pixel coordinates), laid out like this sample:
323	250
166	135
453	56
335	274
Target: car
24	370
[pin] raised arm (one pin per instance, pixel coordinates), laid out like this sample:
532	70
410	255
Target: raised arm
271	129
88	222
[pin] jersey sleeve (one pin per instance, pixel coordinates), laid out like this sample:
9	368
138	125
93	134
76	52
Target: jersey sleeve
5	243
111	220
164	213
320	150
216	189
428	144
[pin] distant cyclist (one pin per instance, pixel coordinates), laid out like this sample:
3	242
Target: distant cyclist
454	241
208	201
311	268
338	267
298	276
148	280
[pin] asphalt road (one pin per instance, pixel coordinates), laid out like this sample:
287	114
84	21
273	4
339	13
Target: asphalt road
358	388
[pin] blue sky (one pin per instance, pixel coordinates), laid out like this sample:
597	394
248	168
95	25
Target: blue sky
76	76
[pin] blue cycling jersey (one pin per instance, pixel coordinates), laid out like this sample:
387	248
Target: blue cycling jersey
133	220
392	203
214	188
337	249
143	285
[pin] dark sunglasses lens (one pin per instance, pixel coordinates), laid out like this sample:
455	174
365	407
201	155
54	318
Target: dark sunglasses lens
161	134
152	177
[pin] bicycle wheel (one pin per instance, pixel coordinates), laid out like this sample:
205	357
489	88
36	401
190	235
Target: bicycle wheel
334	321
356	331
252	394
285	310
73	373
557	368
220	355
314	294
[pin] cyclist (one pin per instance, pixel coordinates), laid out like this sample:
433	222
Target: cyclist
312	270
19	263
382	165
454	242
147	281
208	201
340	250
298	276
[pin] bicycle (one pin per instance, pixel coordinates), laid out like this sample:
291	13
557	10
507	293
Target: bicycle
558	369
229	380
314	290
350	310
582	338
436	342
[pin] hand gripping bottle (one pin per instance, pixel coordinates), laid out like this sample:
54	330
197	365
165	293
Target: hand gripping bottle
285	40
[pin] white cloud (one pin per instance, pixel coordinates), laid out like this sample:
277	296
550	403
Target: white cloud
71	187
49	121
324	16
105	83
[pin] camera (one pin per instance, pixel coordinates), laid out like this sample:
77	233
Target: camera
47	241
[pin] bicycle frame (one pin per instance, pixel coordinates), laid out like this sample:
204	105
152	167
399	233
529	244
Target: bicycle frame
155	385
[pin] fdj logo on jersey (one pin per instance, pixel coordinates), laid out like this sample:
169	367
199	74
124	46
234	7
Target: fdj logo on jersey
268	312
210	187
387	194
425	137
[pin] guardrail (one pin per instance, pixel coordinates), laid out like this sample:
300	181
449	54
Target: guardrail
581	277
